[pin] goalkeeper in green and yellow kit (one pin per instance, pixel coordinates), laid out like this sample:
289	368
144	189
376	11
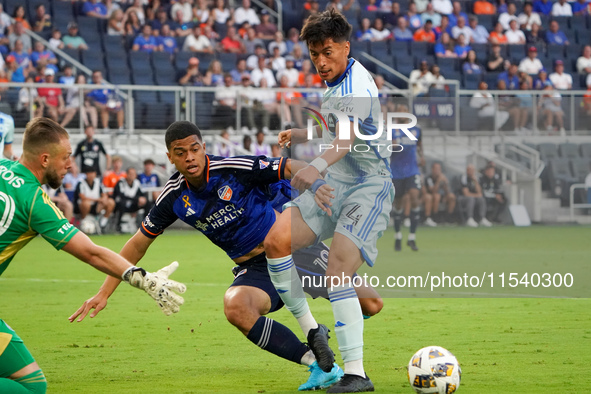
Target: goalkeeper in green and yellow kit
25	211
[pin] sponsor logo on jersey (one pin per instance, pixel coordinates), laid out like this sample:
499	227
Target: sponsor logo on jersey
225	193
189	212
263	164
11	178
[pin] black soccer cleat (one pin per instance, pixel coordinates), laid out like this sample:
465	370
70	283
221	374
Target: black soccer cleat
413	245
397	245
352	384
318	342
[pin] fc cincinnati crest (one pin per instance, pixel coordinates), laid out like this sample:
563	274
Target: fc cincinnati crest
225	193
263	164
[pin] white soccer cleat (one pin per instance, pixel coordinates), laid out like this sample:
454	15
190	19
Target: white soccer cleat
471	223
484	222
430	222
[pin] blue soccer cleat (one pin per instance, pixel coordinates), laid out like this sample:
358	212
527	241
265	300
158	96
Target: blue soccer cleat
319	379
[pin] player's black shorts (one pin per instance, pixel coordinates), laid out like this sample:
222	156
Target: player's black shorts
93	210
402	186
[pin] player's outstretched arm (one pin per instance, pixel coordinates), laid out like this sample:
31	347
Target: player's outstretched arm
295	136
157	285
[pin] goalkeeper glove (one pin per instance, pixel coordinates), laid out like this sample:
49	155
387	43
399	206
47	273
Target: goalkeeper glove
158	286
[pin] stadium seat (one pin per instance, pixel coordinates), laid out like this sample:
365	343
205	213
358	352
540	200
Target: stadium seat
583	37
140	62
568	150
481	52
488	21
10	5
161	60
560	178
421	49
399	48
118	62
204	108
113	45
573	51
586	150
555	51
404	64
75	53
357	47
143	77
471	81
93	60
516	52
119	76
548	151
165	76
228	61
380	49
580	168
181	60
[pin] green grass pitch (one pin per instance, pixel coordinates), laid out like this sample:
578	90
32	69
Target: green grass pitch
504	345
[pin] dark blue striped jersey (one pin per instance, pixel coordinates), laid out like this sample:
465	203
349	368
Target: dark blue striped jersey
232	208
404	164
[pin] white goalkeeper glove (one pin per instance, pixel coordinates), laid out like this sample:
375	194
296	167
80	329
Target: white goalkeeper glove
158	286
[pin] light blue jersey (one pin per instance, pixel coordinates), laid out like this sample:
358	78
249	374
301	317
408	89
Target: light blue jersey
6	131
355	93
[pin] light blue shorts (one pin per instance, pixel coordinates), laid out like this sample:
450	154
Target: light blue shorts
360	211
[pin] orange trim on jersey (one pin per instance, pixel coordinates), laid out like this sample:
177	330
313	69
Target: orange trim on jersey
149	232
207	163
279	173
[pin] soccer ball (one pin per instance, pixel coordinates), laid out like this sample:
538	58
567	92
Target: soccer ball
434	369
88	226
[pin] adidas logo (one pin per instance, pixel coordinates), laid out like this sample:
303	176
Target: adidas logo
281	291
339	324
190	212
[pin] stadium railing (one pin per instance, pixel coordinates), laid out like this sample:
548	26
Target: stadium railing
573	205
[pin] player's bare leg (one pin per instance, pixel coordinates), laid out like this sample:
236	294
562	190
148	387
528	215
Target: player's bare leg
279	244
344	259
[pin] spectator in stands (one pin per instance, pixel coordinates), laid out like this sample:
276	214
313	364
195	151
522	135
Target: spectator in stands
510	77
584	61
106	102
506	17
293	41
443	7
541	80
562	8
19	34
528	17
289	71
89	151
15	73
239	71
278	42
132	25
412	17
260	147
391	18
560	79
497	36
438	187
262	72
71	179
145	42
246	14
277	62
251	41
60	199
425	33
200	12
311	7
533	36
379	32
514	35
438	79
445	47
246	144
5	21
55	42
401	32
22	57
72	40
580	7
166	42
129	197
493	194
148	179
339	6
161	20
588	185
543	7
364	33
479	32
182	11
181	29
225	103
90	198
456	13
28	97
521	112
52	97
298	56
221	13
550	106
483	7
471	65
292	110
192	76
420	80
95	9
431	15
225	148
307	70
266	29
531	64
112	177
42	20
253	60
462	48
556	36
501	6
115	25
214	76
88	113
444	27
470	198
19	16
461	28
197	42
484	102
232	43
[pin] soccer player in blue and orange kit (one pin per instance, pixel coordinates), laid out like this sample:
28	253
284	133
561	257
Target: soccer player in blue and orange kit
229	201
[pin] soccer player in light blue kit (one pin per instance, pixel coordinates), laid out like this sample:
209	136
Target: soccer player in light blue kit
6	135
352	205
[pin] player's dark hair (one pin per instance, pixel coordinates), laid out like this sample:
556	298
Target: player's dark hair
327	24
180	130
41	133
